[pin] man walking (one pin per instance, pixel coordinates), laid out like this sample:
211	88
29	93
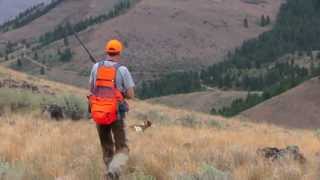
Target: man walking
110	84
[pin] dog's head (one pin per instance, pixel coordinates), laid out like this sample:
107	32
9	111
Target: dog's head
147	123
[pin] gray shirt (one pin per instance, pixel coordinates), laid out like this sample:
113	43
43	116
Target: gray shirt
124	79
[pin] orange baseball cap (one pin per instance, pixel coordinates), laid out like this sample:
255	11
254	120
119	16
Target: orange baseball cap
114	46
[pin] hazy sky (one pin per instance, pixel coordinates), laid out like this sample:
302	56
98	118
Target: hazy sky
10	8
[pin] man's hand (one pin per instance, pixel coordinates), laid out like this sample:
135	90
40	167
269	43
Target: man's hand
130	93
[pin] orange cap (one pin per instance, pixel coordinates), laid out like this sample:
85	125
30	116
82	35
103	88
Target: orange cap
114	46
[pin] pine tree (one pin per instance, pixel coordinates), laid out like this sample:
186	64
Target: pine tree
268	20
66	41
245	23
35	56
19	63
42	71
262	21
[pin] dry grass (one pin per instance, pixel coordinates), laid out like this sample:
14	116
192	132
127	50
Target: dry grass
37	148
47	150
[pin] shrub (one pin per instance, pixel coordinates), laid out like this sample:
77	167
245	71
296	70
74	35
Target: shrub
15	100
317	133
188	121
9	172
143	177
75	107
207	172
214	123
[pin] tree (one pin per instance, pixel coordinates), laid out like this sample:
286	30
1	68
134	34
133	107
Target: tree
42	71
66	55
35	56
262	21
245	23
66	41
318	55
19	63
268	20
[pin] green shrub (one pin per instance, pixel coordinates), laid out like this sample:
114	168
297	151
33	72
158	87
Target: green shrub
214	123
143	177
207	172
8	172
15	100
188	121
75	107
317	133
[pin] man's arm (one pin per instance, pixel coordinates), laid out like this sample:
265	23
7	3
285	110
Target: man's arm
92	77
128	83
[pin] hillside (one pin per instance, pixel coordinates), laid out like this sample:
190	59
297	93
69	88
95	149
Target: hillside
11	8
161	36
168	35
200	101
181	145
297	108
68	10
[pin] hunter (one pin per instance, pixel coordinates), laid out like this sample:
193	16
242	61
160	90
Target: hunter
110	84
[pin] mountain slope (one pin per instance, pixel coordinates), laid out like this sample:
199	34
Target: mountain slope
11	8
200	101
68	10
172	35
299	107
161	36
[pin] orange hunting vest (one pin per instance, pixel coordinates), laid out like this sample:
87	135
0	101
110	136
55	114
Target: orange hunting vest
104	105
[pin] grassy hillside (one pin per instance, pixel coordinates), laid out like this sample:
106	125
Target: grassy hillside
201	101
181	145
296	108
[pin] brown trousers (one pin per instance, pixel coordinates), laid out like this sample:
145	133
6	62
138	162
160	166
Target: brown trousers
113	140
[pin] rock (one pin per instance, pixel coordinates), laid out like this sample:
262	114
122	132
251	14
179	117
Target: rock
54	111
290	152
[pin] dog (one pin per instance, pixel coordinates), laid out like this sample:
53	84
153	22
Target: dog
141	127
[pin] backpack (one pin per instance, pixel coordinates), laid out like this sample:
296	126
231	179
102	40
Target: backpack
105	100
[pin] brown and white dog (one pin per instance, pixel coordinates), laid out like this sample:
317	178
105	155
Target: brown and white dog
141	127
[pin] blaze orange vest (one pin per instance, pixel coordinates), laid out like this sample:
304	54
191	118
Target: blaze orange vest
104	105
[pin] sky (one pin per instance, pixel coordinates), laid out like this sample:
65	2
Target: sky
11	8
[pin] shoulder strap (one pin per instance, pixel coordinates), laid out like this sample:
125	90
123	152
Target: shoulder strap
117	66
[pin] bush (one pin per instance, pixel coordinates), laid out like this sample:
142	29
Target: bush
208	172
214	123
9	172
317	133
74	107
188	121
143	177
16	100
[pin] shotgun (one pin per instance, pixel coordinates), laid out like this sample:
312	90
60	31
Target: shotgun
93	60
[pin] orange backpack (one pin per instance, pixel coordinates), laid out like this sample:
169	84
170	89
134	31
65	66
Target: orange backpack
105	100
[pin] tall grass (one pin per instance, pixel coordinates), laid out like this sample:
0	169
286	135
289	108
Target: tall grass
71	150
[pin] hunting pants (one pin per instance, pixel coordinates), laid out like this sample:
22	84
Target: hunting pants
113	140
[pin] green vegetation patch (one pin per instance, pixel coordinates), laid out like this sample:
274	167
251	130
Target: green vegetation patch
15	100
